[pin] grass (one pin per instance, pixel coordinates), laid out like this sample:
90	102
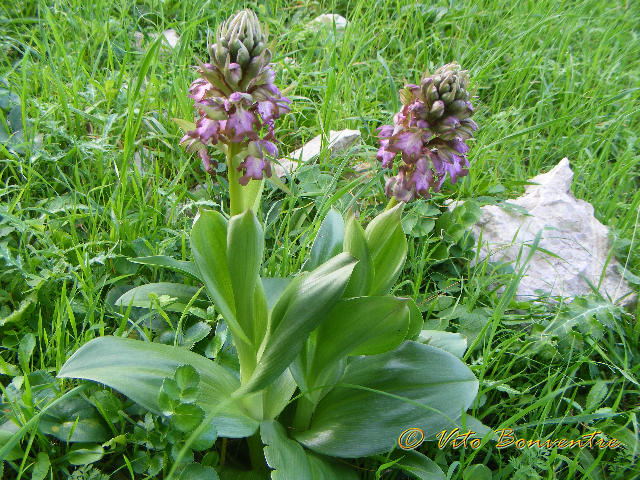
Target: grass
94	174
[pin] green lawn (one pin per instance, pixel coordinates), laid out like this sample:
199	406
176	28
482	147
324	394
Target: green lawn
92	174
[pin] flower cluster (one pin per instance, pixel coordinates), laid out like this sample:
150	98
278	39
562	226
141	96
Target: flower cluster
430	133
237	99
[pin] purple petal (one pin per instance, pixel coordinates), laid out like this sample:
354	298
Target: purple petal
241	123
253	169
385	131
269	147
458	145
198	89
384	155
266	110
207	130
409	143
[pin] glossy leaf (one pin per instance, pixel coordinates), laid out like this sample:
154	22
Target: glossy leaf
285	456
41	467
209	247
273	289
182	266
328	241
245	247
195	471
5	436
76	420
453	343
83	455
418	465
141	296
137	370
416	321
388	247
356	244
300	309
324	469
360	326
379	396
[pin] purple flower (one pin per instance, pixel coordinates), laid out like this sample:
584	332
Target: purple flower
236	99
430	133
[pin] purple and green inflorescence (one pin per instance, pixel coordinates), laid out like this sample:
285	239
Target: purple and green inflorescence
430	133
237	99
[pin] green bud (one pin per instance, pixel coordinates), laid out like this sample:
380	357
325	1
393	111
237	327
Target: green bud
242	38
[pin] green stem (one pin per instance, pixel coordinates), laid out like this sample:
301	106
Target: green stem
235	189
304	410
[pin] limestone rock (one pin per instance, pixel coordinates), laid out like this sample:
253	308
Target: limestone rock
338	141
570	231
328	19
169	41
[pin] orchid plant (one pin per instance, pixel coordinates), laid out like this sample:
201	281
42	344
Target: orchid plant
330	363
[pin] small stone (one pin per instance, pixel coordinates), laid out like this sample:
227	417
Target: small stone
338	141
578	244
328	19
169	42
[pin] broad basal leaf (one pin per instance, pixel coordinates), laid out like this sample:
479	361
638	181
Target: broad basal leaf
137	369
285	456
290	461
380	396
76	420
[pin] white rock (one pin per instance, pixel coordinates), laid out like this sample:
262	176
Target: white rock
328	19
169	42
569	230
338	141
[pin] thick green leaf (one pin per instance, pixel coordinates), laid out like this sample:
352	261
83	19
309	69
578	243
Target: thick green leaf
137	369
245	247
359	326
356	244
477	472
418	465
273	288
323	469
416	322
185	267
75	415
413	386
195	471
141	296
300	309
186	417
83	455
41	467
453	343
277	395
388	247
285	456
328	241
209	246
7	432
